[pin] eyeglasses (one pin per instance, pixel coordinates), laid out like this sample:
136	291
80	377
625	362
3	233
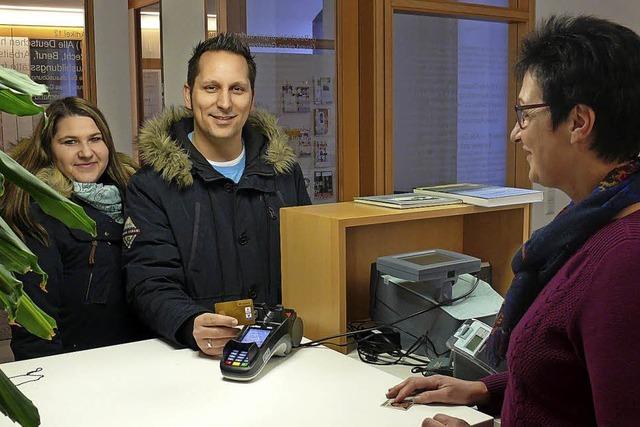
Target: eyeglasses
523	119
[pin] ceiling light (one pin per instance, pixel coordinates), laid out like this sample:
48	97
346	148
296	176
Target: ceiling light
41	16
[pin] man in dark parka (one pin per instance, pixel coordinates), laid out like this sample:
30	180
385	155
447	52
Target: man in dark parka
203	213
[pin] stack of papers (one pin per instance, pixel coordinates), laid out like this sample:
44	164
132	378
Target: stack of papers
406	200
483	195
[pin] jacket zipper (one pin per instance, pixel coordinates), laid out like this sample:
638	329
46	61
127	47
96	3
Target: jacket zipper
195	234
272	213
92	261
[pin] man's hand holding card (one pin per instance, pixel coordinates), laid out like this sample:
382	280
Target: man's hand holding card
241	310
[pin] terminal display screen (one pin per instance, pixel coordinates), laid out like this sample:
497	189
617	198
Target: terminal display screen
256	335
429	259
473	343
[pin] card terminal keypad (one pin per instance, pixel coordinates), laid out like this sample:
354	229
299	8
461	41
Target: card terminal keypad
238	358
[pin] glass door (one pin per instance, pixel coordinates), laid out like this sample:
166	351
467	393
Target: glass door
46	42
150	89
294	47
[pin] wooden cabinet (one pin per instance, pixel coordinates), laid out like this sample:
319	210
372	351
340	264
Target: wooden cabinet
327	251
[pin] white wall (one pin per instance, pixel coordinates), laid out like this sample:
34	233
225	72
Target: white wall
113	91
182	29
624	12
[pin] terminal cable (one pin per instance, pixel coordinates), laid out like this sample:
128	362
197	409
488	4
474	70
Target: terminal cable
358	332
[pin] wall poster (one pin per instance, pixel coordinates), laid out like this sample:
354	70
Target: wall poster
298	89
49	55
152	91
57	64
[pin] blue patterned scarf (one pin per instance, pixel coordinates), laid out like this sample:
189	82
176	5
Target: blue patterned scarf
105	198
550	247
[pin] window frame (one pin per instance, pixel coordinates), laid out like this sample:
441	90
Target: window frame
375	156
364	79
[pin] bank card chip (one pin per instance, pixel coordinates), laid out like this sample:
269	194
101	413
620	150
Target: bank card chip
242	310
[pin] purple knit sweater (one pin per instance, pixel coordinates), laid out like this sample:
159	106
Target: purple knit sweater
574	358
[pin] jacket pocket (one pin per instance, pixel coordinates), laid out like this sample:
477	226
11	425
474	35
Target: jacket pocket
272	203
202	272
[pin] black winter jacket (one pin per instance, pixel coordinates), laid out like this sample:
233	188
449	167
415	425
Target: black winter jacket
85	291
193	237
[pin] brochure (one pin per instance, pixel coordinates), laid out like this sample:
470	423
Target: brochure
483	195
406	200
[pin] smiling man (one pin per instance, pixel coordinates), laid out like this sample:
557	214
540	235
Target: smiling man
203	214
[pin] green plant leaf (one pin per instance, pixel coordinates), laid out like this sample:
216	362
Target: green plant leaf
33	319
21	309
10	292
16	93
18	104
20	82
49	200
15	255
16	405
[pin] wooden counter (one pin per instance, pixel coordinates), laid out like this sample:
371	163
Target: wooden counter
327	251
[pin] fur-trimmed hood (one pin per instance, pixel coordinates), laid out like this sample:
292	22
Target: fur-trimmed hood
56	180
165	155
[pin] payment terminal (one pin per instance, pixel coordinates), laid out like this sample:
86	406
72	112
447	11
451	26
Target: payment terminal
468	347
276	331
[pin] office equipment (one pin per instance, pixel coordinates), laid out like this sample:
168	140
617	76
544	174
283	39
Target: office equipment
275	333
435	278
327	252
483	195
150	383
405	200
467	347
433	271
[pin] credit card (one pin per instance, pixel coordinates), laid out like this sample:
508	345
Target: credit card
241	309
403	406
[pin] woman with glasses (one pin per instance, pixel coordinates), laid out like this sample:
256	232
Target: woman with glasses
569	329
72	151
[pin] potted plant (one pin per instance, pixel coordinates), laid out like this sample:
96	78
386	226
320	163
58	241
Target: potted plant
16	93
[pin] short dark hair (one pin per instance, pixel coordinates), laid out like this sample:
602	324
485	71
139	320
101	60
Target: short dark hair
591	61
227	42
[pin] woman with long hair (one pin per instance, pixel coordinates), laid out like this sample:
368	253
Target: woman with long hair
72	150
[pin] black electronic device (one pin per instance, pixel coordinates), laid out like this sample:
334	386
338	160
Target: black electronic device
276	331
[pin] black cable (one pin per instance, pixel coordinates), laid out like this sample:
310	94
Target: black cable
376	358
318	342
31	375
372	352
